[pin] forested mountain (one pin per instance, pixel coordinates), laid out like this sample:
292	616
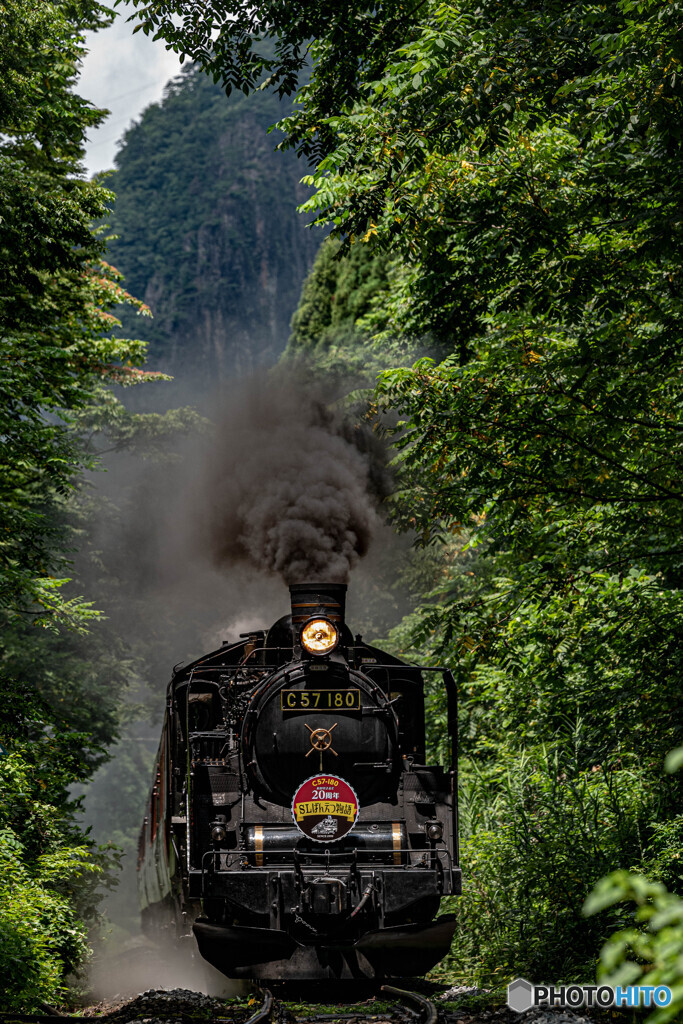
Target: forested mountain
208	231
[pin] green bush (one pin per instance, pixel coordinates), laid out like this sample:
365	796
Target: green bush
49	879
656	934
536	835
655	937
39	932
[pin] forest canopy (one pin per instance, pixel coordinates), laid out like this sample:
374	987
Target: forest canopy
519	168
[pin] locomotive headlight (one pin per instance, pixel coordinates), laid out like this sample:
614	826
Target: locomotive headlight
319	636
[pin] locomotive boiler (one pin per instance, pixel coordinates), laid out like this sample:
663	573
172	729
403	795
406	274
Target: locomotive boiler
293	824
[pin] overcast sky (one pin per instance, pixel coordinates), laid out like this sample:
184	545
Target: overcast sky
124	73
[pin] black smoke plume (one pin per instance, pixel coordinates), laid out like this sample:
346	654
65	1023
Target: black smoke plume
293	487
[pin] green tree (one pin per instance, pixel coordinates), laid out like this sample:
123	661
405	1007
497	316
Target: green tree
335	320
56	292
248	46
57	356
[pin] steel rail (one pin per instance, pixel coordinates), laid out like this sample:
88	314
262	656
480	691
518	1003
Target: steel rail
266	1008
427	1008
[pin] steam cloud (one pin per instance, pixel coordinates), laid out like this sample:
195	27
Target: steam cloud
292	488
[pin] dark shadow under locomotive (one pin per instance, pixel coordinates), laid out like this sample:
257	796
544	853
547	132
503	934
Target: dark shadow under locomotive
293	823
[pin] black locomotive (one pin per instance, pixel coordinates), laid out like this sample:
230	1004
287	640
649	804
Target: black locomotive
293	824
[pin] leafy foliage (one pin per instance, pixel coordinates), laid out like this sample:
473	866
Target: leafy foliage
50	871
267	45
656	936
56	292
58	710
549	829
336	295
330	335
522	166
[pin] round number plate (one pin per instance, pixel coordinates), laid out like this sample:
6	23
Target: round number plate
325	808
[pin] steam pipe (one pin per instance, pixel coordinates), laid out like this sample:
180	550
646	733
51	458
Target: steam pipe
364	898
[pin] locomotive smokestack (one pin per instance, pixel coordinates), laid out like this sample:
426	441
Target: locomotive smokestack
312	599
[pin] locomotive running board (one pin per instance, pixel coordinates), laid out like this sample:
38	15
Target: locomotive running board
402	951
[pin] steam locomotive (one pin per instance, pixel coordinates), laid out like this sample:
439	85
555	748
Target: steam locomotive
293	825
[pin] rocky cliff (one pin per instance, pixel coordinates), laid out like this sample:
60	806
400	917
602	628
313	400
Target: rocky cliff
209	236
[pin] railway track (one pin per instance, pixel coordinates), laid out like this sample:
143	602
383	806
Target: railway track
426	1010
271	1008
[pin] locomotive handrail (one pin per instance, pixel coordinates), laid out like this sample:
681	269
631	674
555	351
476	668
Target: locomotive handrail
286	851
369	666
324	852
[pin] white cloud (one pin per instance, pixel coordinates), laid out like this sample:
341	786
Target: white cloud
123	73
